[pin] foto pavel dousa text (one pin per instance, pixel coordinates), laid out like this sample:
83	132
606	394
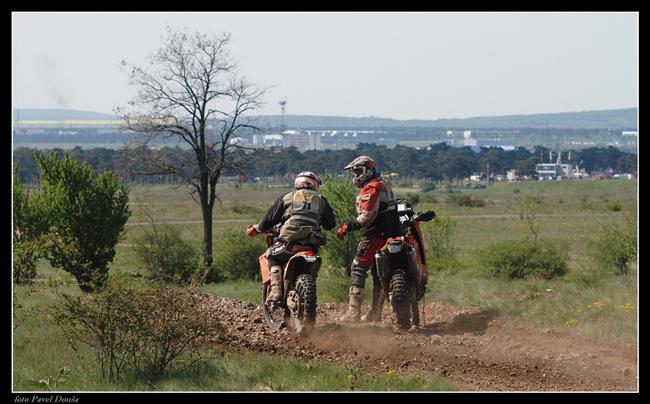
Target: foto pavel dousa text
51	398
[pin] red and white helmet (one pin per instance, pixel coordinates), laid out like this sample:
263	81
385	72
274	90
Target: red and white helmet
363	168
307	179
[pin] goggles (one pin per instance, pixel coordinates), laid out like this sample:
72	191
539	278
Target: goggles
359	171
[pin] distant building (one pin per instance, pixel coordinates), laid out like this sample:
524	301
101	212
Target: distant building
301	140
549	170
468	140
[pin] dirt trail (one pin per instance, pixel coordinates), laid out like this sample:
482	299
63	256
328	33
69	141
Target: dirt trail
475	350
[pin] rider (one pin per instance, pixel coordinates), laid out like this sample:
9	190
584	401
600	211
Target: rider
378	220
301	212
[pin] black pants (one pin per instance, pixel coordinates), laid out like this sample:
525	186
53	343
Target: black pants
280	252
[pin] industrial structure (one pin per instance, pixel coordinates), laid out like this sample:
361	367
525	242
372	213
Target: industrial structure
557	170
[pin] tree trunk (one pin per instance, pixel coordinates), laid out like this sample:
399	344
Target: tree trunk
207	236
206	208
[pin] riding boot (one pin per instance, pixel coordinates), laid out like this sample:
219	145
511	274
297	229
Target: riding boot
275	294
374	314
354	306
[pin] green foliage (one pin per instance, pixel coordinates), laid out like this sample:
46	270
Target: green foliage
524	259
25	234
441	254
236	257
415	199
465	200
85	213
614	206
166	256
25	254
616	248
142	331
341	195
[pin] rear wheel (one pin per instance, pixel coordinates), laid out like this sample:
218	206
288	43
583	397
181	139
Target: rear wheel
306	288
399	298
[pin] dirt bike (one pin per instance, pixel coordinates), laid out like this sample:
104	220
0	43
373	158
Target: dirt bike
298	305
402	267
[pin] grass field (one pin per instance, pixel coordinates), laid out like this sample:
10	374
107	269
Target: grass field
586	301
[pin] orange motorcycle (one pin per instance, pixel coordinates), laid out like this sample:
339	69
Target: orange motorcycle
297	308
402	266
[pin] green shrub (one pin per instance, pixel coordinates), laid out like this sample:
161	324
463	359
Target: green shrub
236	257
85	213
465	200
516	190
341	195
167	257
24	262
524	259
616	248
614	206
143	331
441	254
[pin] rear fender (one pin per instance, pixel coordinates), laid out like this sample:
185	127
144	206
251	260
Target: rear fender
301	263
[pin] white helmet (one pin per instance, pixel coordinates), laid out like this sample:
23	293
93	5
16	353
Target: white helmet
307	179
364	168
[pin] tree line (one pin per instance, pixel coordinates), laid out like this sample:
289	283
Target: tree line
437	162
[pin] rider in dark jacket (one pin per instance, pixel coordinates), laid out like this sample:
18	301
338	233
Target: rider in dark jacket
301	212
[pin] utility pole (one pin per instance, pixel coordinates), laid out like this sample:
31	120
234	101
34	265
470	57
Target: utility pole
488	173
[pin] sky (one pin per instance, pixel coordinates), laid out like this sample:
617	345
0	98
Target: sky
416	65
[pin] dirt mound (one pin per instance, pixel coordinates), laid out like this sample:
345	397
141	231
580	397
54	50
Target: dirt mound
477	351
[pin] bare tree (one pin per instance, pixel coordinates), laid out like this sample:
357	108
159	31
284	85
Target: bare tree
191	93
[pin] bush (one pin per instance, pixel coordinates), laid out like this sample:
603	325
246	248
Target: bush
440	253
142	331
24	262
341	196
167	257
415	199
237	257
29	225
524	259
614	206
465	200
85	212
616	248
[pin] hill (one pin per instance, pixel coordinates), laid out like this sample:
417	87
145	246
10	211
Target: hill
45	114
606	119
